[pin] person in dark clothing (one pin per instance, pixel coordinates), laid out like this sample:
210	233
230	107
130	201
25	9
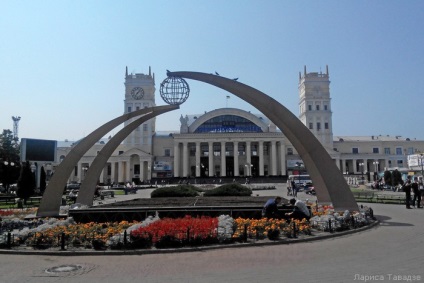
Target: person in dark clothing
417	193
407	189
270	209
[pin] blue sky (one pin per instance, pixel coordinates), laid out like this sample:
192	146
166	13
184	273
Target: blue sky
62	63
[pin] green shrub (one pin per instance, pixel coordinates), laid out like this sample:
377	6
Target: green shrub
232	189
176	191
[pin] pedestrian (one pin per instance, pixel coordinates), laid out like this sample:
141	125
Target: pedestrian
407	189
417	193
270	209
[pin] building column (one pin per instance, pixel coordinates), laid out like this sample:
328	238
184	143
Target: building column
101	177
211	169
142	176
261	158
354	164
198	165
223	160
149	169
283	158
128	171
236	159
273	158
121	171
343	166
112	172
248	153
176	160
185	159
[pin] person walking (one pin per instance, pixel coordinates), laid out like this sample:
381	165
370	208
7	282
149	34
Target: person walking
417	194
407	189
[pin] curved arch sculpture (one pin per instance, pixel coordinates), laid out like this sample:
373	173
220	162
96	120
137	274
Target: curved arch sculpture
88	186
330	185
50	203
225	111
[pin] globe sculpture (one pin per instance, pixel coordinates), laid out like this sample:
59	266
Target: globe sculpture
174	90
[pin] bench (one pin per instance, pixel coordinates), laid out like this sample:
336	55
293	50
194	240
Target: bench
390	198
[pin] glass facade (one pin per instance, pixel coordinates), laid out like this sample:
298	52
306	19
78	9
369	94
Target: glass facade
228	124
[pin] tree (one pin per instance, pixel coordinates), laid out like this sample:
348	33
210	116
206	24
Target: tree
397	178
388	177
9	152
26	182
42	180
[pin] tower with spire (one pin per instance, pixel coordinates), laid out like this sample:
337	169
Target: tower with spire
315	105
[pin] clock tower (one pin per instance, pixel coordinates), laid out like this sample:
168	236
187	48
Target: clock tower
140	93
315	105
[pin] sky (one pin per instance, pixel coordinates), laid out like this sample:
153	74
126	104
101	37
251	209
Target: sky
62	63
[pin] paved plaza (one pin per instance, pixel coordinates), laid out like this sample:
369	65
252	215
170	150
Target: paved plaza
389	252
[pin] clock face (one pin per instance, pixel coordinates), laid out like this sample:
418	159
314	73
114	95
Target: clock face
137	93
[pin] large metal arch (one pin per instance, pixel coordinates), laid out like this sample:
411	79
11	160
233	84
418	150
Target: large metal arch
88	186
52	197
330	185
228	111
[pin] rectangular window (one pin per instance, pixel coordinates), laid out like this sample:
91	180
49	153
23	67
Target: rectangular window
375	150
398	151
400	163
387	150
318	126
410	150
311	126
145	127
120	152
355	150
317	106
129	109
325	107
310	107
326	126
167	152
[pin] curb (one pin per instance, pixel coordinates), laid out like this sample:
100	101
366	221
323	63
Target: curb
188	249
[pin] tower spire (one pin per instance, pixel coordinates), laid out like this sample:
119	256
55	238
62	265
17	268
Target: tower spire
126	71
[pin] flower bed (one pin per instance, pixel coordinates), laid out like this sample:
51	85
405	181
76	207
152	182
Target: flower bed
158	233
